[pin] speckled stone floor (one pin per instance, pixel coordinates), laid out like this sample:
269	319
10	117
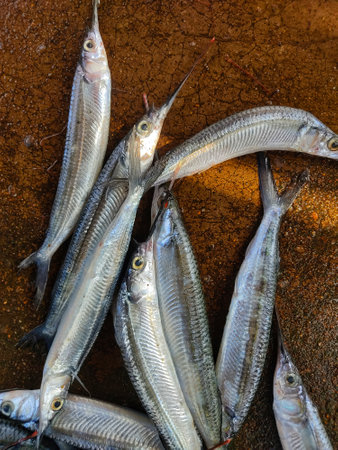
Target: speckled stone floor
290	47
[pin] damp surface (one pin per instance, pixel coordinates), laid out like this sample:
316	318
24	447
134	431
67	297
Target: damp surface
289	50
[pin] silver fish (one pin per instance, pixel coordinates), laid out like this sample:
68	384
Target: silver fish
258	129
139	334
184	319
86	142
246	334
91	294
106	198
84	422
297	419
11	432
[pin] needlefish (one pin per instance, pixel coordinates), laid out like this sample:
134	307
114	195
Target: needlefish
250	131
146	355
184	317
246	333
85	147
91	296
84	422
297	419
106	198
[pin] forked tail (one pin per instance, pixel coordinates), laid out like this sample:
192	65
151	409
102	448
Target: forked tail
269	194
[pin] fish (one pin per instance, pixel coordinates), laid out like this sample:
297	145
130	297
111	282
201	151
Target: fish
297	418
85	148
11	432
246	333
91	294
250	131
140	336
184	318
106	198
84	422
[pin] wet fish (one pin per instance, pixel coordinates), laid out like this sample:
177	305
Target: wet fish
184	319
246	334
139	334
106	198
11	432
84	422
86	142
250	131
298	422
90	297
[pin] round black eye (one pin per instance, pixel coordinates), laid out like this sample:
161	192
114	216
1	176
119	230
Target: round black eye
144	127
290	379
7	408
88	45
333	144
138	263
57	404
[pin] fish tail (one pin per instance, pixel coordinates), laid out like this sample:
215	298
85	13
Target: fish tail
42	262
269	193
33	337
134	149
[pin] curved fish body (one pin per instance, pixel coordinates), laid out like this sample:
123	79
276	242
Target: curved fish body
11	432
86	142
246	334
90	298
297	419
86	423
250	131
105	200
139	334
185	321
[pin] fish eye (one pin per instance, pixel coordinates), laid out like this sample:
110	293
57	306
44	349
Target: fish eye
89	45
7	408
57	404
138	263
333	144
291	379
144	127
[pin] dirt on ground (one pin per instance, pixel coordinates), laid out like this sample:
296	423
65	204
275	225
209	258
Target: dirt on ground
287	54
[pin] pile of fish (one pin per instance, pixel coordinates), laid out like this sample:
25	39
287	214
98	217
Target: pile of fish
160	318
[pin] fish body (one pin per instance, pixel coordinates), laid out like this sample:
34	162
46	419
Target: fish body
85	147
246	334
105	200
297	419
185	321
250	131
86	423
139	334
89	299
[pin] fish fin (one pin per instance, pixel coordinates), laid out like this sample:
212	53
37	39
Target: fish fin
42	264
133	147
82	385
34	337
269	193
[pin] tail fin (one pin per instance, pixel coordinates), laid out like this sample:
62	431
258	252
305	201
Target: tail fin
269	194
134	150
42	264
35	336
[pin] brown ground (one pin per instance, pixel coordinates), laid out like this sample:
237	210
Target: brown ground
289	46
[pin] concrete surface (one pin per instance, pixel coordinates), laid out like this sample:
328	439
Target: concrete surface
290	46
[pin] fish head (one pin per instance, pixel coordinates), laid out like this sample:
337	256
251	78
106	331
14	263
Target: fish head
94	61
319	140
53	393
140	275
289	392
21	405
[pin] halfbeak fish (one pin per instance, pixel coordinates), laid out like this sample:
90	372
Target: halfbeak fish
246	333
86	142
